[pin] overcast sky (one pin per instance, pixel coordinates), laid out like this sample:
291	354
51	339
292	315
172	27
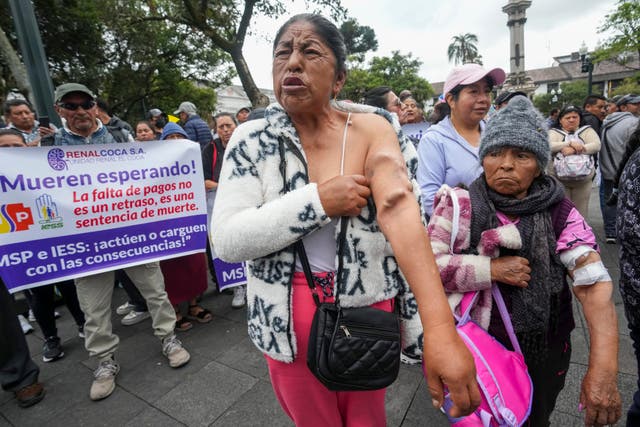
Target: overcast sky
425	28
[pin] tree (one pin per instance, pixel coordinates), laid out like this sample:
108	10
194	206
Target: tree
226	23
629	85
625	22
359	39
15	65
463	49
133	65
398	72
573	93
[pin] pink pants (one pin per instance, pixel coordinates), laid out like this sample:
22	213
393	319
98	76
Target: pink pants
304	399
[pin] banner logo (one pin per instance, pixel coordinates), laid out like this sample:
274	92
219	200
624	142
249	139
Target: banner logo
15	217
55	157
48	213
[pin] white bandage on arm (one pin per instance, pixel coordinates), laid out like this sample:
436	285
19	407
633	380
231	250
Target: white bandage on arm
570	256
591	273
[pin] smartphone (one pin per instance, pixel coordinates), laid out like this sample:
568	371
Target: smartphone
44	121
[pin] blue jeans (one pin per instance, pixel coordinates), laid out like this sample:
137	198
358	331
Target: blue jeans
608	212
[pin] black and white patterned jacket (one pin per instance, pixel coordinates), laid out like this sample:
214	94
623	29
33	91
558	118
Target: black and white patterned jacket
255	219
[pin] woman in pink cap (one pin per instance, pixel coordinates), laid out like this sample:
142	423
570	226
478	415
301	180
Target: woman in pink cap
448	152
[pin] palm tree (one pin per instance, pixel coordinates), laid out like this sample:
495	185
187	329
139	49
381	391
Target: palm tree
463	49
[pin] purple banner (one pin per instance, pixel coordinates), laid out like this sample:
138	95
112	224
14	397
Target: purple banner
228	274
39	262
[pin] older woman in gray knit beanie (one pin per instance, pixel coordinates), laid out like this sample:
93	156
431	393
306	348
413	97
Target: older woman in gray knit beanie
518	231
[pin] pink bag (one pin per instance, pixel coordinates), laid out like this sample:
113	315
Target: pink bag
505	385
502	375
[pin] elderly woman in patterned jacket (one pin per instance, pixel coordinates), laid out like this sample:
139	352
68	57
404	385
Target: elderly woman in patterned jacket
627	225
300	144
519	230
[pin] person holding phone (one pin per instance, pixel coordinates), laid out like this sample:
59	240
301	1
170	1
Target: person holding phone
19	115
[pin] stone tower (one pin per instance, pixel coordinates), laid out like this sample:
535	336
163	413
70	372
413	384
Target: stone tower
517	78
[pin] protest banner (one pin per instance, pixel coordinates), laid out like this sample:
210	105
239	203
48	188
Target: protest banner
229	275
71	211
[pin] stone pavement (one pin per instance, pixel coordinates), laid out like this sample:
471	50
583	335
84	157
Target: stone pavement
226	382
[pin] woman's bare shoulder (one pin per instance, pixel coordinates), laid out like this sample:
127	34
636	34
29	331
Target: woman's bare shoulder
373	125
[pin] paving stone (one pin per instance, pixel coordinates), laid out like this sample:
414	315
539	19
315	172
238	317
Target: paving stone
579	347
216	337
63	393
73	362
202	398
116	410
245	357
401	393
4	422
151	417
256	408
154	378
565	420
422	413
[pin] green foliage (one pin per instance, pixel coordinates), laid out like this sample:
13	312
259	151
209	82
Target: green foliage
629	85
463	49
397	71
134	65
359	39
225	24
573	93
624	21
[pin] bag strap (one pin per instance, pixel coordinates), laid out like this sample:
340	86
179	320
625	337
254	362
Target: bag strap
469	299
342	237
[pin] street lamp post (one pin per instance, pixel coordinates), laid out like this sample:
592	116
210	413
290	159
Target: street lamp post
555	94
586	65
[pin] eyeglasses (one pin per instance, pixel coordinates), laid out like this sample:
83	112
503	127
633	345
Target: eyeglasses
87	105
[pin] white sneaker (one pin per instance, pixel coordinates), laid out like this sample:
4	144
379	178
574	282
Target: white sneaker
31	317
125	308
239	296
174	351
105	379
24	323
135	317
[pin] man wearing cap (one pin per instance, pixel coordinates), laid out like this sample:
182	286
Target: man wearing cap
158	120
76	105
612	104
243	114
616	131
193	125
504	98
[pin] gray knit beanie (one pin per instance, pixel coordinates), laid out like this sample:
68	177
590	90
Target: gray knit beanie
519	125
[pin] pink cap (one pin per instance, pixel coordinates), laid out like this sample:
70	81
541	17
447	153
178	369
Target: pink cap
471	73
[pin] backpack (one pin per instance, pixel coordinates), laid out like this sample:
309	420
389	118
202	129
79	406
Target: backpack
505	385
573	167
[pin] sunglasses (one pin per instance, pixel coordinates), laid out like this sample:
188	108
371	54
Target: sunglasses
73	106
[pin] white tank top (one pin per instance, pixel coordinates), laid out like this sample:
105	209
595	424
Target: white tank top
320	245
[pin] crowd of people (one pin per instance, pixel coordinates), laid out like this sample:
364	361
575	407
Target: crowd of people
523	183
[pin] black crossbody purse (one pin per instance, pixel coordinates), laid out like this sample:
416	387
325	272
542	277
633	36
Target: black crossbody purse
350	348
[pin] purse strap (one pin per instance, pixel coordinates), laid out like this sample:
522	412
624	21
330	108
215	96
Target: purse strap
306	267
342	237
469	299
